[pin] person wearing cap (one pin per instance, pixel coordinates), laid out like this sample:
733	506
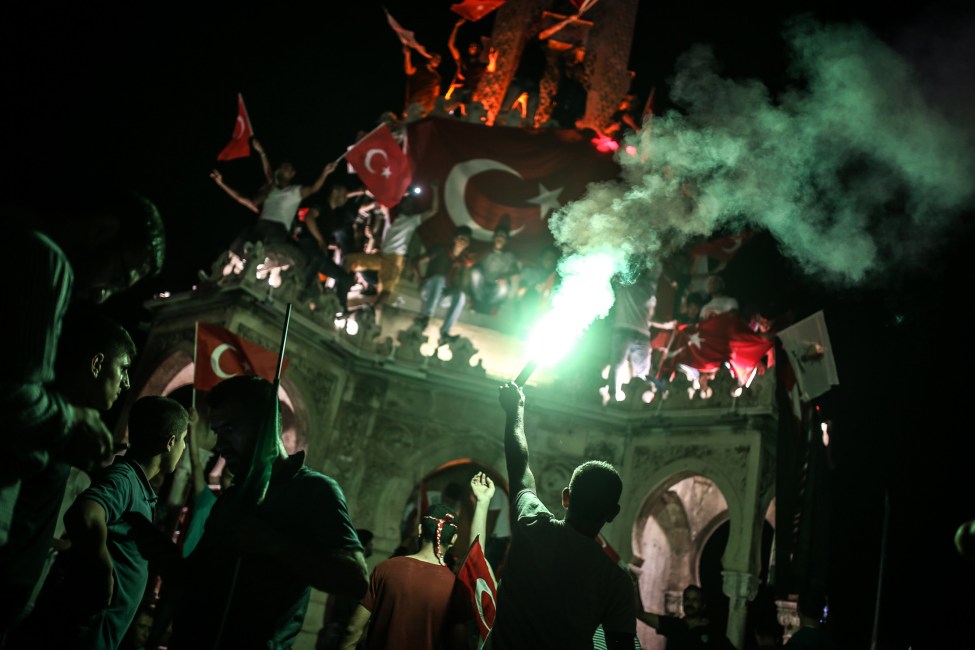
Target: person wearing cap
444	279
495	275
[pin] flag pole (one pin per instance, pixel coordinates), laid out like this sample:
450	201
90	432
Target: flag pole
880	576
284	343
237	563
196	343
339	159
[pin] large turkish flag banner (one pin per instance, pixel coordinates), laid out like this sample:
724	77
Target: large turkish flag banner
486	172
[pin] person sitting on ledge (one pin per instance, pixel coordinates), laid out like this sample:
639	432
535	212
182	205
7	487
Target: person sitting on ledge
495	276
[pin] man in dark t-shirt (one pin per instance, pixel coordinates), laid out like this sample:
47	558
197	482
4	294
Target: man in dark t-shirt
299	537
556	571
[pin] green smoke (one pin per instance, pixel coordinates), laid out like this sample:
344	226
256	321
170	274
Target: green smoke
850	170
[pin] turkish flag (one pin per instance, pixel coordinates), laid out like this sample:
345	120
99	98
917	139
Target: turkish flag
221	354
240	144
609	550
474	573
723	248
487	172
474	10
382	166
406	37
715	341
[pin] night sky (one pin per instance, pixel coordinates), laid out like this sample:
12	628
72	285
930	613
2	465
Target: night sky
145	97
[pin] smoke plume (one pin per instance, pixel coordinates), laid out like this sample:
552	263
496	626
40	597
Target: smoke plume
850	170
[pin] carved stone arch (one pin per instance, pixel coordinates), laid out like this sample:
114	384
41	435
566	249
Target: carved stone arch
705	535
173	371
662	478
423	460
670	529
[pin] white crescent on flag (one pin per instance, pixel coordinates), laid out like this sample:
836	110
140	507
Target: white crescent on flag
369	156
481	589
455	189
215	360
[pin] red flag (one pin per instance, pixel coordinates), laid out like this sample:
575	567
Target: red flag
406	37
608	549
715	341
474	573
381	165
648	107
474	10
723	248
486	173
239	145
221	354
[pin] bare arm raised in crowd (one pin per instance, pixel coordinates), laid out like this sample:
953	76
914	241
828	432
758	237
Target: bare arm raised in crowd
434	202
483	488
265	163
234	194
308	190
515	444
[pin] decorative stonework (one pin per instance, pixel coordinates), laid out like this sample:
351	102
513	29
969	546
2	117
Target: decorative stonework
374	420
410	341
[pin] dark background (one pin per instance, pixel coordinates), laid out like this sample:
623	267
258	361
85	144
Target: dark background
94	97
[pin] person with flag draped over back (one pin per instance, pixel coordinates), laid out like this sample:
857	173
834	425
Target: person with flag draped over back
296	537
559	584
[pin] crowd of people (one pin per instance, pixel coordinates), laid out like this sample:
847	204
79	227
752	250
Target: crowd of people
86	560
240	572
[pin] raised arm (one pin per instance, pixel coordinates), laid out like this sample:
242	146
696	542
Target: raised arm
265	163
234	194
434	202
407	61
483	488
308	190
520	476
452	46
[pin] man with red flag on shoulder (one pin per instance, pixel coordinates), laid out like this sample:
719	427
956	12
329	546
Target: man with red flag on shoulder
559	585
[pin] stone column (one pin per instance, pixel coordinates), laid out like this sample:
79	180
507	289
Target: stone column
740	588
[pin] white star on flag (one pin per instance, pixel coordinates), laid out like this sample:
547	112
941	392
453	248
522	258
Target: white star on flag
695	339
387	172
546	200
